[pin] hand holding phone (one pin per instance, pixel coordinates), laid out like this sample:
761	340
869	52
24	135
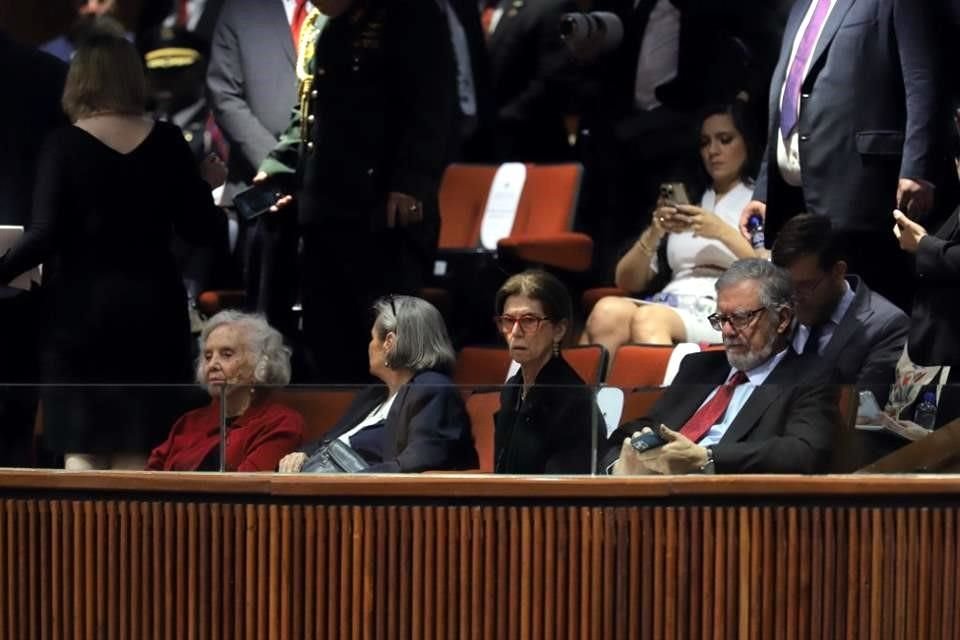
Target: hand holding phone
257	200
646	440
674	193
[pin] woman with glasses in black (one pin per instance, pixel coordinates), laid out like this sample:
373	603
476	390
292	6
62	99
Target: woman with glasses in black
546	410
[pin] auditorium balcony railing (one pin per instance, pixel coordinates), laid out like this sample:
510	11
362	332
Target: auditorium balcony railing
124	554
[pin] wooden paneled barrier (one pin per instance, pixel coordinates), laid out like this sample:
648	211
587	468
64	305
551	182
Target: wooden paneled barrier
121	555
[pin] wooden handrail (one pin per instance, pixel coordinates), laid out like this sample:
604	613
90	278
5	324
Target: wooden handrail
454	486
165	555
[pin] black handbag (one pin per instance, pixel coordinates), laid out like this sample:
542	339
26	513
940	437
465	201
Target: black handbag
334	457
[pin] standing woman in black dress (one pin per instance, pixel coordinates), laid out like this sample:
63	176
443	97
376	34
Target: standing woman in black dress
110	191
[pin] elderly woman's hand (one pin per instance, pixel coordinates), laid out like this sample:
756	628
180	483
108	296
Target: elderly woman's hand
292	462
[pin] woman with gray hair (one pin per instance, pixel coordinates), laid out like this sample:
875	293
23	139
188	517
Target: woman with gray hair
417	420
244	357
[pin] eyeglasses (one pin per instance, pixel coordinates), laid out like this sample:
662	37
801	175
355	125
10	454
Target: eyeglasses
393	307
529	323
739	320
804	289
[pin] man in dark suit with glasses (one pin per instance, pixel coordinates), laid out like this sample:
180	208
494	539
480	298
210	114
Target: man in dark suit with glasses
757	408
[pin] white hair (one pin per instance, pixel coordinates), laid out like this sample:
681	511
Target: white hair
270	357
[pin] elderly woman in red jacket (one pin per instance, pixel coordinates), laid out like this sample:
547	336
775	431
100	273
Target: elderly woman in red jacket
245	354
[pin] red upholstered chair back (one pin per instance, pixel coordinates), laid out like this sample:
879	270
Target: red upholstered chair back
481	366
639	365
463	197
549	201
589	361
481	407
320	408
638	369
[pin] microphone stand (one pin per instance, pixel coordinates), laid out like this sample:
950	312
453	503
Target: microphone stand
223	428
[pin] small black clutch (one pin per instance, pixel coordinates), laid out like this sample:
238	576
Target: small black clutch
334	457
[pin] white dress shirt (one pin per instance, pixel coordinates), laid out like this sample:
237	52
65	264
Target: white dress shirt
756	376
378	415
826	332
290	7
659	54
788	152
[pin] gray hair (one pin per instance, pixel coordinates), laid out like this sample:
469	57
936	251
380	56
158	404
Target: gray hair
271	358
776	289
422	339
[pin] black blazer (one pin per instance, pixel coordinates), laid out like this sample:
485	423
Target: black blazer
533	80
427	427
479	147
868	112
32	111
935	322
786	425
384	104
550	431
722	49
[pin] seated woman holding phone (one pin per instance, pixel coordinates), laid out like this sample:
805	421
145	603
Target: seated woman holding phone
683	251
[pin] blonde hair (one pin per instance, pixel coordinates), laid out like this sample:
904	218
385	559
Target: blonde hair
106	74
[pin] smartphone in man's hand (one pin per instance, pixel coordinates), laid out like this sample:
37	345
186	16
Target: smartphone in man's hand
646	440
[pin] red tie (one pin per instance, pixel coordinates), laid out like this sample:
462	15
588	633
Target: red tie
183	18
299	15
486	18
706	416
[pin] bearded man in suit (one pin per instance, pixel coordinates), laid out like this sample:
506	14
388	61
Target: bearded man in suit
757	408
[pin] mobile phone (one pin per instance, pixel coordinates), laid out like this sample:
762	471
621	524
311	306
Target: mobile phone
674	192
256	200
646	441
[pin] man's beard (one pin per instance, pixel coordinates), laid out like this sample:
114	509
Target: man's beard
751	359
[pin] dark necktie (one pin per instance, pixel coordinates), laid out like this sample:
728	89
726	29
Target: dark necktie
812	345
706	416
641	16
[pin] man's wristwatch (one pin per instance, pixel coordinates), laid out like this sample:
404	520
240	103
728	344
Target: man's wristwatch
709	466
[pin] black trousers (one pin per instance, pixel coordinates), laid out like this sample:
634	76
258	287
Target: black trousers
271	275
346	267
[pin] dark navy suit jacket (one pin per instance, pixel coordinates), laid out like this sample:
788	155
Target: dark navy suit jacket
427	427
868	112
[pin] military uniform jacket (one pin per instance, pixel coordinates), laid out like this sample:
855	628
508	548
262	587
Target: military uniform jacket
376	115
